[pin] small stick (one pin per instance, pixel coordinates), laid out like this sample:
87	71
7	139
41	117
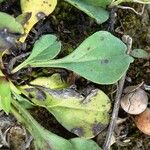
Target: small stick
107	143
132	9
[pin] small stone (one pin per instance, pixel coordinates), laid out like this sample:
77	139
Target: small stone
135	102
142	121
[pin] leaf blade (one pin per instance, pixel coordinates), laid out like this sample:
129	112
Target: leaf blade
13	27
83	116
45	49
5	95
44	139
102	3
49	44
101	58
82	144
140	53
96	12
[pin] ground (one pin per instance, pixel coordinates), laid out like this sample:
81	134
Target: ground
72	27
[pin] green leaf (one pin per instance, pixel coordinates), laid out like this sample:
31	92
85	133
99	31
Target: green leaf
25	103
43	139
82	144
101	58
9	27
10	24
16	92
96	12
5	95
83	116
140	53
45	49
143	1
14	88
102	3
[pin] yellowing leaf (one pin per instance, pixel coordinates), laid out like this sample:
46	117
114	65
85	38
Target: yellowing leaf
84	116
39	9
52	82
46	140
1	74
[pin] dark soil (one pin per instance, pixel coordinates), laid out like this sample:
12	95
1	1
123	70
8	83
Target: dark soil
72	27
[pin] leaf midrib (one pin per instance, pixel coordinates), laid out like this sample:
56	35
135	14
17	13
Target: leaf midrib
77	108
79	60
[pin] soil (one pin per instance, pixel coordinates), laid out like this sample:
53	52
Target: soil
72	26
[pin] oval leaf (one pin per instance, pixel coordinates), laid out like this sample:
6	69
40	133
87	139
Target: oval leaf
9	27
42	8
9	24
45	49
101	58
85	117
98	13
140	53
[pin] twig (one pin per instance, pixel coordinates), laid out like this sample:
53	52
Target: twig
117	2
132	9
107	143
3	138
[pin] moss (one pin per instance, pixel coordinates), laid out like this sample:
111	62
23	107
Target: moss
71	25
135	25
